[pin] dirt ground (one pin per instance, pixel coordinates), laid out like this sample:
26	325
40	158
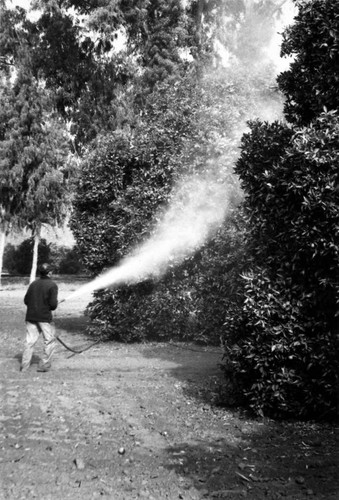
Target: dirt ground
140	421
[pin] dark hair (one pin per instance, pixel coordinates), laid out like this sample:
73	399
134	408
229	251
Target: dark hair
44	269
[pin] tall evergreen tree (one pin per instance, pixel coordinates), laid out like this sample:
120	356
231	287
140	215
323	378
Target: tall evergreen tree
34	143
33	152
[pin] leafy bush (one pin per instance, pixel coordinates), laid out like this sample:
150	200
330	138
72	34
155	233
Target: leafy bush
187	303
9	258
143	312
216	281
128	179
285	361
116	199
187	127
283	366
71	262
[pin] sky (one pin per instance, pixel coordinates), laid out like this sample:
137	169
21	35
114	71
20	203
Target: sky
21	3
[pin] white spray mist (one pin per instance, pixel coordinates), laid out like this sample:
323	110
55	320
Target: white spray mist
198	207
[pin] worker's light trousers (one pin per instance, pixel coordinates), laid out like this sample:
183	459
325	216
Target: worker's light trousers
33	331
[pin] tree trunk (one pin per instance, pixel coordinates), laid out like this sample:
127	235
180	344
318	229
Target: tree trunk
35	254
3	234
198	20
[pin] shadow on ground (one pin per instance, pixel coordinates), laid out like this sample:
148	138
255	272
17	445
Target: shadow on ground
253	458
71	324
200	374
275	461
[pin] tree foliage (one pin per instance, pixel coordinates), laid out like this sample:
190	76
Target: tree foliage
63	260
101	59
35	164
312	81
18	259
34	157
101	65
284	353
186	129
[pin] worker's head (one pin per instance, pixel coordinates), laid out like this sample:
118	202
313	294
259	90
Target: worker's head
44	269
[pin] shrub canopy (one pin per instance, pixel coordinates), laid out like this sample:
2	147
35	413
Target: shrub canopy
284	360
286	355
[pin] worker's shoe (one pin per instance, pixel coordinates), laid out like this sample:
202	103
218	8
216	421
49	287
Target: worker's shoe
44	368
24	368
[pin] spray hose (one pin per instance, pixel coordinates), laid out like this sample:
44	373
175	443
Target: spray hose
75	351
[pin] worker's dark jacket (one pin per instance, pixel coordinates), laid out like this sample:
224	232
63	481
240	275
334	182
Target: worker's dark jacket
41	298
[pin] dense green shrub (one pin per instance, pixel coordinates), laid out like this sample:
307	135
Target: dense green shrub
188	303
71	262
216	281
283	366
286	359
116	199
283	359
9	258
187	127
146	311
126	182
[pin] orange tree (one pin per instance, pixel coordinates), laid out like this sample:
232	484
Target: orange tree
125	182
284	359
128	179
177	121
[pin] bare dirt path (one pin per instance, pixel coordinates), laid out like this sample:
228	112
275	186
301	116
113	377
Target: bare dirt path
139	421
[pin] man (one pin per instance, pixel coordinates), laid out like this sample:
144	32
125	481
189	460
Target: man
41	298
